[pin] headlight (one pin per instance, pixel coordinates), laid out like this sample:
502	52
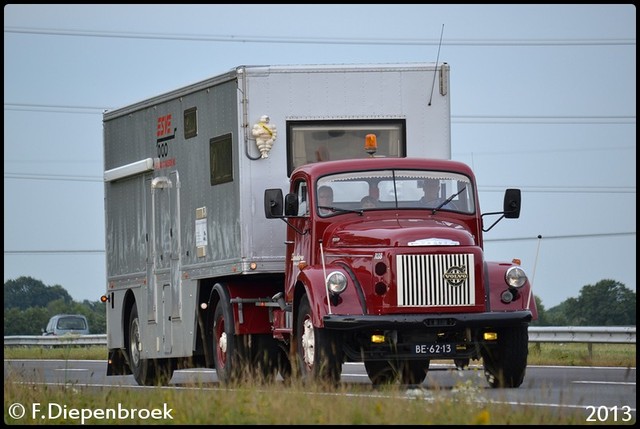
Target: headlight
336	282
515	277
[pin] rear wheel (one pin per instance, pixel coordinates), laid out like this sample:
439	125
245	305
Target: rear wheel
227	348
319	354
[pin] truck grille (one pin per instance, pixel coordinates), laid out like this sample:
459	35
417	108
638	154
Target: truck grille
435	280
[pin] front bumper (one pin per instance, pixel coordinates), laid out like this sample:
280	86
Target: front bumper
427	321
421	336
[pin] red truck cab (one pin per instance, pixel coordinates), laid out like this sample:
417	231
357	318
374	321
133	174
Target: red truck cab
384	274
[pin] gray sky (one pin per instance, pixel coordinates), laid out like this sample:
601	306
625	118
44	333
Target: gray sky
543	97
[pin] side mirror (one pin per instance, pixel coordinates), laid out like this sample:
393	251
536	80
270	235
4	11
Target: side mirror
273	203
291	205
512	203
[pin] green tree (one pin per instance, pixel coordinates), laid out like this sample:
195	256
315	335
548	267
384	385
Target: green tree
29	304
557	316
542	313
607	303
25	322
96	315
25	292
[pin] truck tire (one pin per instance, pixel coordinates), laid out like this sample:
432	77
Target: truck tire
227	347
266	357
407	372
506	364
147	372
414	371
461	364
319	354
284	363
381	372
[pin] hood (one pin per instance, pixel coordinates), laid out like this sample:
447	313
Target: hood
398	233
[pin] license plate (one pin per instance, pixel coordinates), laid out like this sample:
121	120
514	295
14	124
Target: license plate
435	349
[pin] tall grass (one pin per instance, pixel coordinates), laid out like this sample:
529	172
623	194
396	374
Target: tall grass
256	403
273	404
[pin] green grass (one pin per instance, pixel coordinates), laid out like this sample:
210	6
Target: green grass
253	403
257	404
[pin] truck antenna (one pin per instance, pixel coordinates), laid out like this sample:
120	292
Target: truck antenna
436	71
533	274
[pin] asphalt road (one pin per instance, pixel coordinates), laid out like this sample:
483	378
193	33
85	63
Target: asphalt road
592	389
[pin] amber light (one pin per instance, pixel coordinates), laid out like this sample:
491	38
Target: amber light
104	298
377	338
490	336
370	144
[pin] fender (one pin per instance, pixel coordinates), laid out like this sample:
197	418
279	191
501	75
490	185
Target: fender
349	302
524	300
219	292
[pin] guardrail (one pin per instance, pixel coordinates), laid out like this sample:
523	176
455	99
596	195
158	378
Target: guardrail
582	334
537	334
55	341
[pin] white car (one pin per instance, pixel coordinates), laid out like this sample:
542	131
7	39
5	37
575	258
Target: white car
61	324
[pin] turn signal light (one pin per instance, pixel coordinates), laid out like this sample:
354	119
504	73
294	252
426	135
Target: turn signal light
490	336
377	338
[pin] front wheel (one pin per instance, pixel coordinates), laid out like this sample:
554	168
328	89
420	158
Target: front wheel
505	364
381	372
388	372
319	354
461	364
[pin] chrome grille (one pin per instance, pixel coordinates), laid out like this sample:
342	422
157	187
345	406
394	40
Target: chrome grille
422	280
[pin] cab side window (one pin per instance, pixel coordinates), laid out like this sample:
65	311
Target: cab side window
303	196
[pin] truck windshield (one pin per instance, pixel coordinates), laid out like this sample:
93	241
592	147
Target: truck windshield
395	189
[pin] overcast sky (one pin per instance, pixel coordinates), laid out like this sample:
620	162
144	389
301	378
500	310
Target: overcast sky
543	97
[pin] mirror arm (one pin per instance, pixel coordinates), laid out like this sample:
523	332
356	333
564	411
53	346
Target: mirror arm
494	223
293	227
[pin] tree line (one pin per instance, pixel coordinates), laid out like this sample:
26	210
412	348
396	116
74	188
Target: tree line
29	303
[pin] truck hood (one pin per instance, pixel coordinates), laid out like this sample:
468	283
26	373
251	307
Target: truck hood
398	233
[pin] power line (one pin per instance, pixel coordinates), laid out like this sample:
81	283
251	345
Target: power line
53	252
546	237
564	120
529	189
462	119
564	237
29	107
66	178
319	40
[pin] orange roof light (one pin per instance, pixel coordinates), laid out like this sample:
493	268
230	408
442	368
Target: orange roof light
370	144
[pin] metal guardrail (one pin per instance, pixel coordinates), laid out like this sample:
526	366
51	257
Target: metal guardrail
583	334
537	334
55	341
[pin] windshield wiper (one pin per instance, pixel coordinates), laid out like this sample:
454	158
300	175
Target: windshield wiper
448	200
